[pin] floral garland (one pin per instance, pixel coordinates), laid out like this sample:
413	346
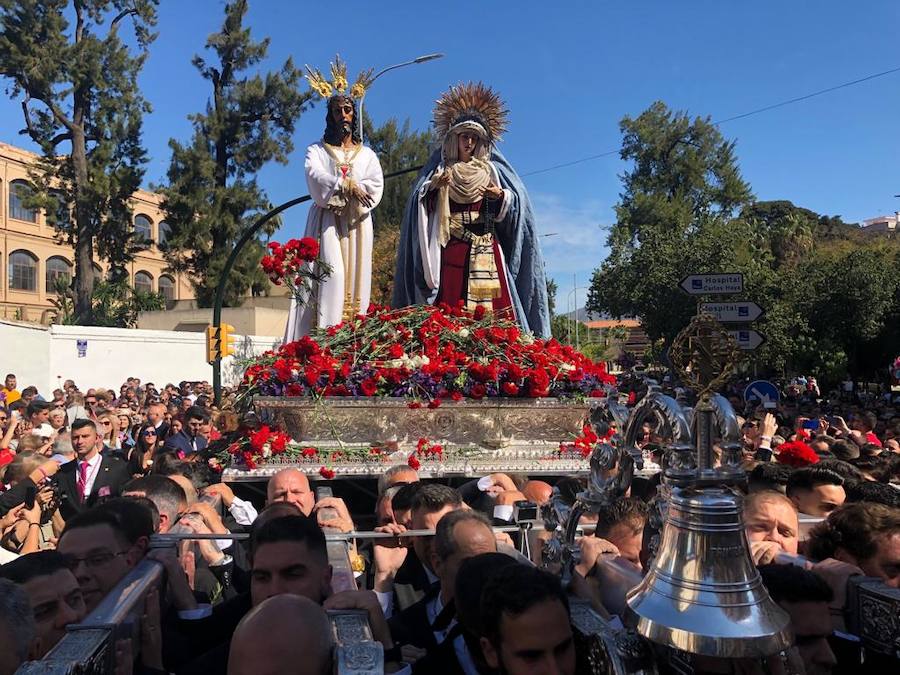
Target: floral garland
266	445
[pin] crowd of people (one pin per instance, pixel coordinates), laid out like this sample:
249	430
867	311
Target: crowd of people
90	477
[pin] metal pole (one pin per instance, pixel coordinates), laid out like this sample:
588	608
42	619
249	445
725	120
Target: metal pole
418	59
248	234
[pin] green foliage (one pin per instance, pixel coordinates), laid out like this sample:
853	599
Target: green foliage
398	147
212	194
830	292
673	219
79	88
114	303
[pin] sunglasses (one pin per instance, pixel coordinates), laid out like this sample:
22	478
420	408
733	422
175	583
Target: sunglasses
149	433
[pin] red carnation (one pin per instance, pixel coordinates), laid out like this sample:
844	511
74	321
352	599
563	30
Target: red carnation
477	391
395	351
414	463
510	388
434	403
797	454
258	439
368	387
326	473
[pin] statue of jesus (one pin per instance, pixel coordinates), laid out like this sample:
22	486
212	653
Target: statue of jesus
345	182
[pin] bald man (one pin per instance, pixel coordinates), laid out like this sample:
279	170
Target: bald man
284	634
292	486
538	491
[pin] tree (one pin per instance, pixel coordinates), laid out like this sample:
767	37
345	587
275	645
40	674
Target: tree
398	147
79	90
114	303
212	194
674	218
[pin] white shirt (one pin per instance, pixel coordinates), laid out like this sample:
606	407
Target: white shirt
244	512
92	472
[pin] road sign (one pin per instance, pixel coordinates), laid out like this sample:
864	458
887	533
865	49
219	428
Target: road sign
713	284
732	312
747	340
762	391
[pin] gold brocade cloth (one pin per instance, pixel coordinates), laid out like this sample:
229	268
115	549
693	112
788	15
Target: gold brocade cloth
484	279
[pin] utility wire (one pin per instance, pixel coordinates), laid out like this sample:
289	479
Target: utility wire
767	108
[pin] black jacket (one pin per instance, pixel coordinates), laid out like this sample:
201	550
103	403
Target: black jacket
112	474
15	495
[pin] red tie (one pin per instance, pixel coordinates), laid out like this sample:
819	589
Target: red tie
82	479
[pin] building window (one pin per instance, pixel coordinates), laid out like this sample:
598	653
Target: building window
18	190
164	231
57	268
22	271
143	228
143	282
167	288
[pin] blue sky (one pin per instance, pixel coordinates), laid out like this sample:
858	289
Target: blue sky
569	71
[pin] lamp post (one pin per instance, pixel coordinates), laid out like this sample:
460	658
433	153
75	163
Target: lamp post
570	300
418	59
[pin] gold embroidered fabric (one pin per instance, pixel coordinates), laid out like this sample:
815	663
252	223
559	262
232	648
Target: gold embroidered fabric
484	278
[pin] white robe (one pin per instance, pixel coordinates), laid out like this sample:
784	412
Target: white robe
347	249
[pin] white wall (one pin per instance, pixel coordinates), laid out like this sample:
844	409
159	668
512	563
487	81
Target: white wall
46	356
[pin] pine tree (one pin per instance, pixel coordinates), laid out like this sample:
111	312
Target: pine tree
212	194
78	83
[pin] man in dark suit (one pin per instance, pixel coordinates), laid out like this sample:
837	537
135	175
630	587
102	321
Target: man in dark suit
189	440
428	623
91	476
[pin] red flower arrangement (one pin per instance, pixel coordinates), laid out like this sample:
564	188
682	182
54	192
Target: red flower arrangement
797	454
296	265
428	354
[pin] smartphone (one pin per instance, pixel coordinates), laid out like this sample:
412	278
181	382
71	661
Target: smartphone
327	513
30	496
811	424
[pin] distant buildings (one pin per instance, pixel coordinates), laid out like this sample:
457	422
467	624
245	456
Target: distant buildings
884	224
32	259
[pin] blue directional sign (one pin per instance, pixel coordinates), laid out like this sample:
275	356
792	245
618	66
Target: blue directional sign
762	391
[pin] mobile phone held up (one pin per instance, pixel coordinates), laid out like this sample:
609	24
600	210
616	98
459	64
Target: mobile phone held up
30	496
811	424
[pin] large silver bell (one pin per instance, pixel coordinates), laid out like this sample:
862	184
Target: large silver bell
703	594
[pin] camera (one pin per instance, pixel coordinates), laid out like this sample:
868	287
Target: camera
524	510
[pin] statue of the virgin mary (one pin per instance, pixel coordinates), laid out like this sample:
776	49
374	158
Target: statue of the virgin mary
468	232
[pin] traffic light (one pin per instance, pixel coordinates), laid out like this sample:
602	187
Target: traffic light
212	344
220	342
227	340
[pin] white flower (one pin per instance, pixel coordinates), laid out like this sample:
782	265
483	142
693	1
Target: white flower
267	450
527	338
464	333
566	366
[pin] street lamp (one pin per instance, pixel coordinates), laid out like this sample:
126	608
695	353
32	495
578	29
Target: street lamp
418	59
570	300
